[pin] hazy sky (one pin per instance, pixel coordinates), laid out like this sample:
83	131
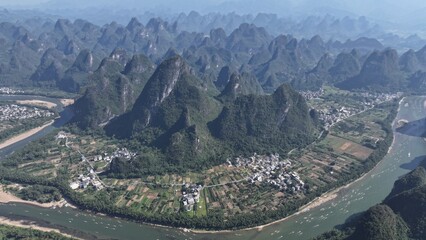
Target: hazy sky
395	10
22	2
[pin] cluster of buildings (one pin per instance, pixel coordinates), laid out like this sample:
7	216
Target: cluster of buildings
373	99
271	170
62	136
16	112
312	94
6	90
119	153
331	116
84	181
190	195
92	179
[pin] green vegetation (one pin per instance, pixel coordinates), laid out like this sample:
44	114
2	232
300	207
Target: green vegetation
178	124
39	193
381	223
17	233
265	124
21	126
112	91
150	198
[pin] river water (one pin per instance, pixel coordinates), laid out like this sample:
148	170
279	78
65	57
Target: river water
407	150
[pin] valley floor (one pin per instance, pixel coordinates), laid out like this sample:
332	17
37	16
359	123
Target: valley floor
241	187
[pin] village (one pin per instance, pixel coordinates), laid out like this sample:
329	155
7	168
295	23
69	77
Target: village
331	115
15	112
10	91
271	170
263	169
90	176
308	95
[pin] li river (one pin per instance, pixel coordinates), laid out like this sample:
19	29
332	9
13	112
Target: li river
407	150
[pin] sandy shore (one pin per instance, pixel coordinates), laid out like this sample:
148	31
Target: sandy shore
32	225
66	101
394	121
23	135
37	103
6	197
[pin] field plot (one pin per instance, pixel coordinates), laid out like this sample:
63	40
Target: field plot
343	146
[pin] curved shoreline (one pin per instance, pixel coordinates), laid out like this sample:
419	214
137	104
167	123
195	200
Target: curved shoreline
24	135
393	124
30	225
6	197
37	103
316	202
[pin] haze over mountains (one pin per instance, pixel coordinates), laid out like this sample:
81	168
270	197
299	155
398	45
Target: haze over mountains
387	8
188	86
376	19
73	56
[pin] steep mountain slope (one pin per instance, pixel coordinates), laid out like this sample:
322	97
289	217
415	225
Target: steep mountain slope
346	65
379	72
413	61
113	89
170	115
408	200
244	84
315	78
417	82
381	223
182	123
77	75
267	123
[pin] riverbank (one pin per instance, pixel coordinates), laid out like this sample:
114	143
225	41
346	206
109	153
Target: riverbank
23	135
31	225
317	202
393	122
66	101
37	103
6	197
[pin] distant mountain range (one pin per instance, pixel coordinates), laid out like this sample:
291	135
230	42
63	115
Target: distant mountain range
182	94
63	54
69	55
330	25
